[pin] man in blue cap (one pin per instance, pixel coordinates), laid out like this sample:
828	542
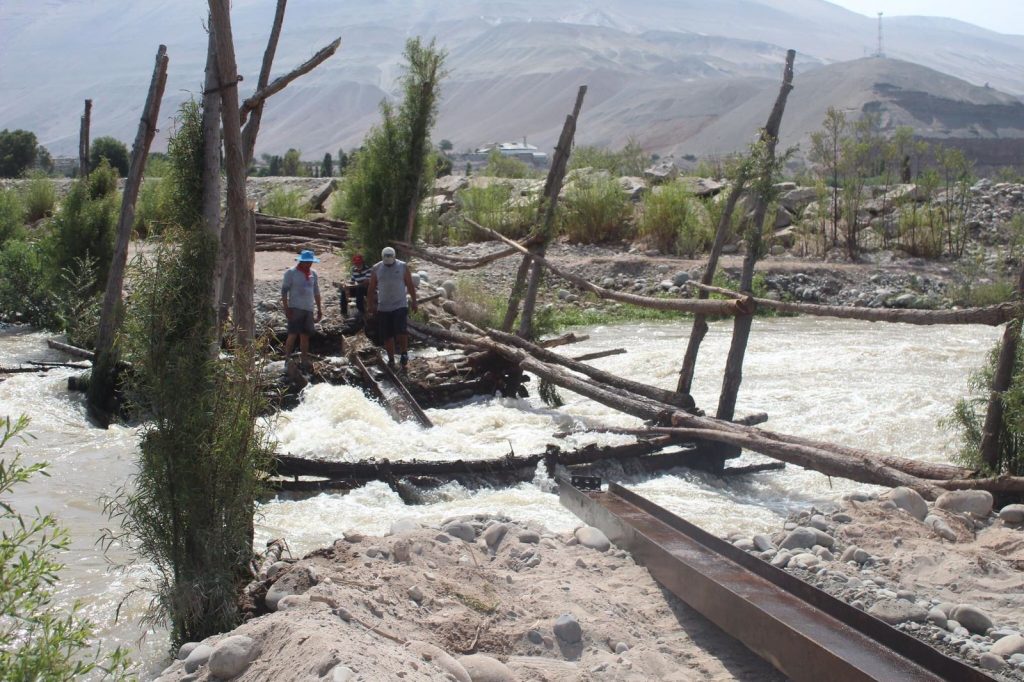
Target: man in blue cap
299	291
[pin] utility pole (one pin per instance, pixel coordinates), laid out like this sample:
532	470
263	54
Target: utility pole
880	54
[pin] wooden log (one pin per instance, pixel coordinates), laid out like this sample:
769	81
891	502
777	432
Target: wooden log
316	202
101	389
456	263
282	82
682	305
600	354
680	400
752	419
733	375
83	141
999	484
73	351
563	340
212	186
549	204
993	315
753	469
252	126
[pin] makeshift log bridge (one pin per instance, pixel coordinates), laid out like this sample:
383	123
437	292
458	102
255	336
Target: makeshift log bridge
389	388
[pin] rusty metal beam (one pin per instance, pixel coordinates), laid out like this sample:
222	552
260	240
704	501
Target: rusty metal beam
804	632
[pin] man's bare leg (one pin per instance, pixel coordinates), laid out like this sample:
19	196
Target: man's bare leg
289	346
304	349
389	346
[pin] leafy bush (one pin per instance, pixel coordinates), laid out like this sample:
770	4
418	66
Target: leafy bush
494	207
38	640
674	221
285	203
502	166
25	285
968	418
479	306
113	151
152	214
631	160
102	181
595	210
12	216
40	198
84	228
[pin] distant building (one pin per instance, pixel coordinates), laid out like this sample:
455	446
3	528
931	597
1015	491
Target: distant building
527	153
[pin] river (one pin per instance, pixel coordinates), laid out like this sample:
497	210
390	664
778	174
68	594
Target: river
878	386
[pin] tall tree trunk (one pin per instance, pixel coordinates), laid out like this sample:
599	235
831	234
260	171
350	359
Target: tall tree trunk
237	217
83	141
211	182
991	434
741	326
552	188
700	322
102	387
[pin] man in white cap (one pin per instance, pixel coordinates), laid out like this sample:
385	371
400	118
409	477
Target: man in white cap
300	289
385	298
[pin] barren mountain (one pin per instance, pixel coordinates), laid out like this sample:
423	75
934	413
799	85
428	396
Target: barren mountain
679	75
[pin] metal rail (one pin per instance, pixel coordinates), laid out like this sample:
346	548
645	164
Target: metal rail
390	389
804	632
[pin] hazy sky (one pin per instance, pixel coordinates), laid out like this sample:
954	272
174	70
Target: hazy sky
1005	16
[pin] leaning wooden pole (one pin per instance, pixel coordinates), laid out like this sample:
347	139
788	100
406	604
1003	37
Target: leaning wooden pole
700	322
991	434
101	388
237	215
552	188
83	140
556	175
212	185
741	325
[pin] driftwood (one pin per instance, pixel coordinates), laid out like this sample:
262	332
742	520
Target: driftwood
73	351
753	469
100	399
600	354
733	375
316	202
682	305
282	82
83	141
549	203
563	340
458	263
252	126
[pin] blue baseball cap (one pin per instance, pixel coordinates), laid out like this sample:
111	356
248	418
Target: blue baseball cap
307	257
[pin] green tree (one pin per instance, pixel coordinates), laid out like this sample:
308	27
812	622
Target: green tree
826	154
388	175
445	145
111	149
39	640
44	162
327	166
291	165
17	152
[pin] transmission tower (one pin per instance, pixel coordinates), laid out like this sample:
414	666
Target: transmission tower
881	52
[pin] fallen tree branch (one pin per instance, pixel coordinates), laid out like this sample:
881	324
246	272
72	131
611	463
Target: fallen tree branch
457	263
683	305
282	82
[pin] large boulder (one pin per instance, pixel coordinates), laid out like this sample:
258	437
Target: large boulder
972	618
568	629
1008	646
895	611
910	501
198	656
795	200
591	537
231	656
1012	513
978	503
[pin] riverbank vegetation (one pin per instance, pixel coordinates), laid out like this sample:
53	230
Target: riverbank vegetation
38	639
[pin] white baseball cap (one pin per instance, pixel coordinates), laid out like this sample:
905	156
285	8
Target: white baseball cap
387	253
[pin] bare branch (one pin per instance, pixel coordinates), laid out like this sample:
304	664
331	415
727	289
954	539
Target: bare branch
282	82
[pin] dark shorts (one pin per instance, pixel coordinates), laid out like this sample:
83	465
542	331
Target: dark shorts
301	322
392	323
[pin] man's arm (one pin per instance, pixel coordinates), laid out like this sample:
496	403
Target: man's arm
411	288
371	294
285	285
316	297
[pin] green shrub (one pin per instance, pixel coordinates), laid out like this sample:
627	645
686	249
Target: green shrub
968	418
674	221
102	181
478	305
84	228
630	160
152	214
12	216
25	285
285	203
595	210
502	166
113	152
495	207
40	198
38	640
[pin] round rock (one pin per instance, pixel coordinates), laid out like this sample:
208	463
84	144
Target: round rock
231	656
186	649
568	629
460	530
1012	513
405	525
591	537
1008	646
972	618
978	503
486	669
341	673
494	535
990	661
296	581
910	501
529	537
197	657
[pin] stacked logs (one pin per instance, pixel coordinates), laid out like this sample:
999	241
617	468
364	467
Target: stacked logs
274	233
